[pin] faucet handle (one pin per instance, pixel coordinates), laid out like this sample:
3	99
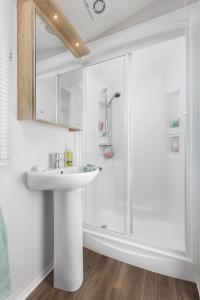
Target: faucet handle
57	158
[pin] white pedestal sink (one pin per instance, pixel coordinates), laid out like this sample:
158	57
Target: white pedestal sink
68	241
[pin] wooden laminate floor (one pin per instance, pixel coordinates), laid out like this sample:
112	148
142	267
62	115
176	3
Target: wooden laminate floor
109	279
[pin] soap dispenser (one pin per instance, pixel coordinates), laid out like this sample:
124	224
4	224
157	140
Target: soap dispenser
68	159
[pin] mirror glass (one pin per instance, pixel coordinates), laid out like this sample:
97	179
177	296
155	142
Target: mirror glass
46	98
59	96
70	98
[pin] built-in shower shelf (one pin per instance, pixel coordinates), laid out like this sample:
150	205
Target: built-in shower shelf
105	145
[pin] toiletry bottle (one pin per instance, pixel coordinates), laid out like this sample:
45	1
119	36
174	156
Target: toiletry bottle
68	159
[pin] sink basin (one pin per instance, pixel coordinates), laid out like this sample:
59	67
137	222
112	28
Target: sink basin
68	179
66	185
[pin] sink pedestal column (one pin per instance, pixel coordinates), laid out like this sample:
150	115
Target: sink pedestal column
68	240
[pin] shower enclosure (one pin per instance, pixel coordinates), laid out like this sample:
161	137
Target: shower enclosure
140	196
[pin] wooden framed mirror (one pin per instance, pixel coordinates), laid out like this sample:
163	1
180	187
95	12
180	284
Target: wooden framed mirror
41	22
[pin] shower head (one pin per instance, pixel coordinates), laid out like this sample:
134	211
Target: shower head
116	95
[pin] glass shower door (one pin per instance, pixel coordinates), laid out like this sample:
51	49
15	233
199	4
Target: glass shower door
105	144
158	144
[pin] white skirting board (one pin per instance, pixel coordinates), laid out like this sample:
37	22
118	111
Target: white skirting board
34	284
122	249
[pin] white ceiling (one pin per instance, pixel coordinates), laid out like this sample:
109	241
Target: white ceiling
77	13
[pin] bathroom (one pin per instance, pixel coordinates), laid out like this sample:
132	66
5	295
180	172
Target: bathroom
118	109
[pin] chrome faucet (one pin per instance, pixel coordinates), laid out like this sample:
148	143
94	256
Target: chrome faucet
58	157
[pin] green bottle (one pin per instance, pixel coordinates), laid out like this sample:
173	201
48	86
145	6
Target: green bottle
68	159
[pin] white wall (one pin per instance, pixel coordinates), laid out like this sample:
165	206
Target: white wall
29	215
